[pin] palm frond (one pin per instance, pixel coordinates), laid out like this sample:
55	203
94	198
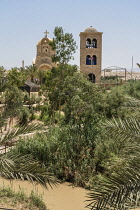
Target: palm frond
120	191
128	128
132	102
16	166
22	130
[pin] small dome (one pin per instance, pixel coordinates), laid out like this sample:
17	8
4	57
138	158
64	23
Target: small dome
90	29
42	39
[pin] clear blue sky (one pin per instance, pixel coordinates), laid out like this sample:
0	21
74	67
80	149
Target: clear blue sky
23	22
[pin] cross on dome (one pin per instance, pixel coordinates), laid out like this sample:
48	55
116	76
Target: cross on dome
46	32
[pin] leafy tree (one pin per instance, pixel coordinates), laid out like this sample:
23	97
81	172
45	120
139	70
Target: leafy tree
82	100
31	72
15	77
64	46
2	71
2	78
53	89
41	73
13	98
76	97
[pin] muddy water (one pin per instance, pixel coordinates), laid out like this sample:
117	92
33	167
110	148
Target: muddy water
62	197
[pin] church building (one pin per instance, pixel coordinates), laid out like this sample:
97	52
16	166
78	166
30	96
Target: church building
44	52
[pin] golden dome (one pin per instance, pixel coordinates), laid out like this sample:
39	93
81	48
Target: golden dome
43	39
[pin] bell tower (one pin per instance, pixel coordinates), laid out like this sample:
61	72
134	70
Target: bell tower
91	53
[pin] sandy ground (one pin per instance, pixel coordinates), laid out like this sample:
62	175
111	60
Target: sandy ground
63	197
9	203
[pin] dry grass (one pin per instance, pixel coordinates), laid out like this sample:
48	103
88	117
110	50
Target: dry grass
19	201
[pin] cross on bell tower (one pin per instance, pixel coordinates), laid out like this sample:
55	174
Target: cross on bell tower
46	32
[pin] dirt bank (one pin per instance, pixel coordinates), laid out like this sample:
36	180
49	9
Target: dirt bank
63	197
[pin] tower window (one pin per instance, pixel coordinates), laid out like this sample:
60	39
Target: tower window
88	60
94	43
92	77
94	60
88	43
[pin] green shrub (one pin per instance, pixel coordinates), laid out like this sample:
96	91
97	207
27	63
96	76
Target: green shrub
23	115
67	152
132	88
113	102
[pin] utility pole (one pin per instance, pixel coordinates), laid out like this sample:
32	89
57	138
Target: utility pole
23	64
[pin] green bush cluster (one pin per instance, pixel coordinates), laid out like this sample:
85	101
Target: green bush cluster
75	148
132	88
67	152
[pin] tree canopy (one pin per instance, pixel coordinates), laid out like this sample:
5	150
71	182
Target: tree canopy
64	46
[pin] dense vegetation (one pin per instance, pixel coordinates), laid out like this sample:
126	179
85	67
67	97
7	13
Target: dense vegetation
91	135
76	138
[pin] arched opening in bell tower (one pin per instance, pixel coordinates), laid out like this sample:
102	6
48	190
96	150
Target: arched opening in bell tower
94	43
88	43
92	77
94	60
88	60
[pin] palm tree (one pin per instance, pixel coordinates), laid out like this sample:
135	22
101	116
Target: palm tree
138	65
121	190
16	166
